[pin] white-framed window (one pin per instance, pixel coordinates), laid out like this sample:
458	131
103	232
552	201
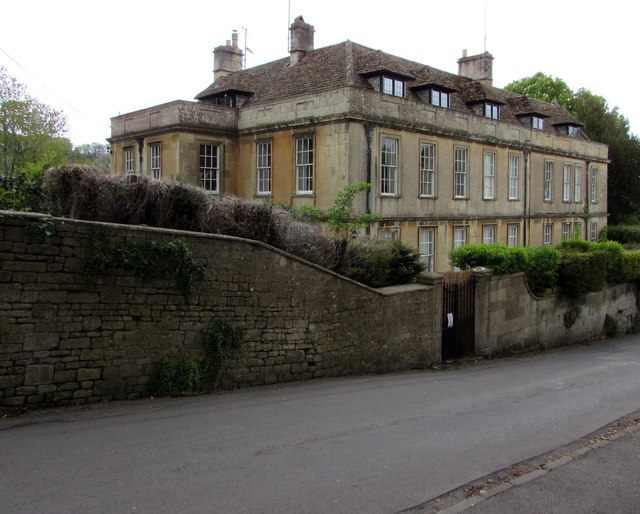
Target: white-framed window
128	159
489	176
459	239
155	160
548	233
577	231
390	233
460	173
514	177
548	181
577	183
210	167
566	231
572	130
427	169
566	182
426	247
488	234
594	185
389	168
304	165
537	122
263	168
440	98
392	86
513	235
492	111
593	232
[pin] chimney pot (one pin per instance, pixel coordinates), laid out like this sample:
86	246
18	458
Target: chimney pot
477	67
301	39
227	58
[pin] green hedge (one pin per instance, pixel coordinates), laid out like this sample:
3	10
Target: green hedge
540	264
580	267
624	233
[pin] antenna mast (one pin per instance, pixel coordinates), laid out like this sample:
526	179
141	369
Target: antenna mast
485	26
289	27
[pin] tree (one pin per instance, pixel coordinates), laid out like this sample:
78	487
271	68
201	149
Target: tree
30	131
601	124
95	154
545	88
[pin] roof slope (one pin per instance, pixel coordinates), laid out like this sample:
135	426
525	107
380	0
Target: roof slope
349	64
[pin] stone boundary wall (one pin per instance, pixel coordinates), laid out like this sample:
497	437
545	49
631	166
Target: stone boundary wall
65	338
509	317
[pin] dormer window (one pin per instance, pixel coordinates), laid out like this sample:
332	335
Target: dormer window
393	86
568	129
572	130
225	99
492	111
440	98
537	122
228	98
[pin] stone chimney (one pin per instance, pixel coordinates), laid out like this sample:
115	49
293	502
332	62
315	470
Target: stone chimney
227	58
477	67
301	39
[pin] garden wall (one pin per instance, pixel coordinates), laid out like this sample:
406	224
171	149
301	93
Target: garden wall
509	317
66	338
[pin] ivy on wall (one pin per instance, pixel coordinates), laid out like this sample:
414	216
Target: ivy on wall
147	259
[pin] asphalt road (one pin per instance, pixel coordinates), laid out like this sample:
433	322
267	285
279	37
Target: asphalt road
362	444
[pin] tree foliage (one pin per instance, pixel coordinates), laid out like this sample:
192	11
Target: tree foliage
601	123
30	131
95	154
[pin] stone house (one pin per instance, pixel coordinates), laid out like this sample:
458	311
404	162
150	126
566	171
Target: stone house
452	159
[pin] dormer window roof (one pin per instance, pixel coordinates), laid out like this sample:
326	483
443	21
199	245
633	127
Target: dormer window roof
229	97
388	82
435	94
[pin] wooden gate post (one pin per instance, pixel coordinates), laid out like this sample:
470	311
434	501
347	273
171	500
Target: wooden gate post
482	277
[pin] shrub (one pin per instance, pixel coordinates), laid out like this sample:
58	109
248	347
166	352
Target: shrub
631	265
20	192
380	263
540	264
582	273
87	193
612	263
624	233
612	327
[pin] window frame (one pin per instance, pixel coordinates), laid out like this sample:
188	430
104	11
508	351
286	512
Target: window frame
263	168
209	167
427	170
128	160
304	164
566	231
389	233
566	182
547	194
460	173
155	160
491	110
513	234
593	232
492	230
393	86
440	98
427	248
514	178
577	183
547	234
593	186
537	122
489	176
389	161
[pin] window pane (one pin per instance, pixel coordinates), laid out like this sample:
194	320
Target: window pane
389	169
427	169
304	165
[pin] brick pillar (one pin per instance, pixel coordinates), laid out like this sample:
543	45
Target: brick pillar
436	280
483	344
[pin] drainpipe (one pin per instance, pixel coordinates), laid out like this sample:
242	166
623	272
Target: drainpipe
368	131
587	199
140	141
525	194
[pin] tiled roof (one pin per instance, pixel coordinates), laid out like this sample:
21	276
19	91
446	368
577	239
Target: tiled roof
350	64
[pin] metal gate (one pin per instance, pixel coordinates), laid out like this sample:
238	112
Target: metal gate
458	315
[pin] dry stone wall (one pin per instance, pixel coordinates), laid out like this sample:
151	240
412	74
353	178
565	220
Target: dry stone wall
66	338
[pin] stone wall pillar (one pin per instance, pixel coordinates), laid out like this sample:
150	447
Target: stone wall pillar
436	280
483	343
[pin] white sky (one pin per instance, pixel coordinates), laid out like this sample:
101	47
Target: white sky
97	60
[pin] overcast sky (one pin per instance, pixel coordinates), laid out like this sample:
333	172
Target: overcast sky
97	60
